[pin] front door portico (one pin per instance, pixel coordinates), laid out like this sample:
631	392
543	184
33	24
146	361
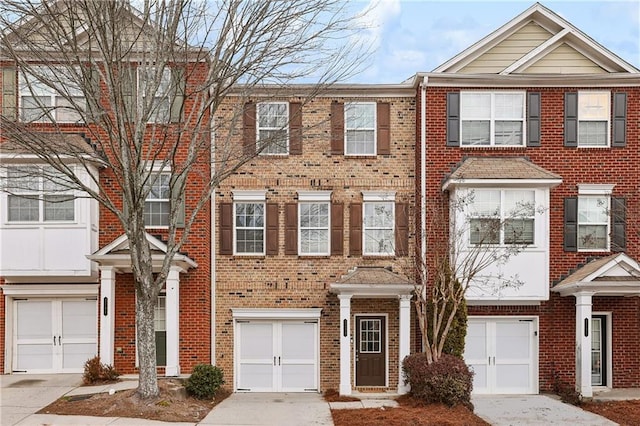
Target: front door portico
370	347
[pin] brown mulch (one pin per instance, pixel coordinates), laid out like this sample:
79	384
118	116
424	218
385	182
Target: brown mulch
332	395
410	412
627	413
170	406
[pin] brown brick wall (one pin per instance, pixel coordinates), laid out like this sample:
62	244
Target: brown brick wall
290	281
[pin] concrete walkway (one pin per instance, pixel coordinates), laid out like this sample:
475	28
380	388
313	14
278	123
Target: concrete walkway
271	409
517	410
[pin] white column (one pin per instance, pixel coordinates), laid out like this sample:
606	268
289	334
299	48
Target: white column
404	331
173	322
345	344
583	343
107	317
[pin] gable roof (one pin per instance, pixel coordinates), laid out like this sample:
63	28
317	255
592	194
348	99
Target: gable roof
489	171
614	275
372	281
540	34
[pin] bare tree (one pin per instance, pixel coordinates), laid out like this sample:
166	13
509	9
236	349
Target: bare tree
142	84
465	249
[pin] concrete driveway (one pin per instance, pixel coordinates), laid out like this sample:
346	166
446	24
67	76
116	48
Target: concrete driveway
274	409
516	410
23	395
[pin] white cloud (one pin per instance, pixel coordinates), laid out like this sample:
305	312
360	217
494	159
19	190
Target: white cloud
374	18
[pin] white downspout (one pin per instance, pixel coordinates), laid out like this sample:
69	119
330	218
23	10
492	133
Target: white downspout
423	181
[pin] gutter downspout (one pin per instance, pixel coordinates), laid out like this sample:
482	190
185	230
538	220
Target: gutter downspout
423	172
212	243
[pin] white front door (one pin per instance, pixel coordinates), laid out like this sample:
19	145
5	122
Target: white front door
502	352
277	356
54	335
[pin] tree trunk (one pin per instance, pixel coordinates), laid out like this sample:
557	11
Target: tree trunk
148	377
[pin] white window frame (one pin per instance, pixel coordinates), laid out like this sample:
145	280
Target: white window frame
250	197
347	129
492	118
583	119
373	198
45	188
162	94
157	171
284	127
503	216
30	87
320	198
597	191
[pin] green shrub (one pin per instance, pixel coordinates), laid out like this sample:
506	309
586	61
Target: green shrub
204	382
448	380
95	371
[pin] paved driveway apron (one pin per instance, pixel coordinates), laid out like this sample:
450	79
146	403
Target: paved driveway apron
271	409
23	395
516	410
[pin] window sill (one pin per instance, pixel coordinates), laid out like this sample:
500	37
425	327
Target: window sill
360	156
492	147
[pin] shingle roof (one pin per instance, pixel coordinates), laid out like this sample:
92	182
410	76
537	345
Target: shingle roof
588	269
59	143
372	275
500	168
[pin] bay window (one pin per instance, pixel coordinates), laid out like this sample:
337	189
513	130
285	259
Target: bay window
502	217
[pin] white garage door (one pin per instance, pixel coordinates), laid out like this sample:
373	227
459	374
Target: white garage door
503	353
277	356
54	335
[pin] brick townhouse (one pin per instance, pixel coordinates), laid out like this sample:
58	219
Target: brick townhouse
299	275
538	113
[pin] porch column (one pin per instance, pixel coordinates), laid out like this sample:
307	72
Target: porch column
404	331
345	344
173	322
107	317
583	343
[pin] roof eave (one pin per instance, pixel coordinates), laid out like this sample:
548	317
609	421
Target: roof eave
523	183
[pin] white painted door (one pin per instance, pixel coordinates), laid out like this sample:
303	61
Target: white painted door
503	355
54	335
277	356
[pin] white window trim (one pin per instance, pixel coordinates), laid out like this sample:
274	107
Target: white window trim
502	217
314	196
25	90
39	196
378	196
596	191
492	118
285	128
608	137
365	228
375	129
247	198
159	169
317	197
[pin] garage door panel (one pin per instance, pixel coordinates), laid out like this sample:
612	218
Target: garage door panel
502	354
34	320
78	320
277	356
33	357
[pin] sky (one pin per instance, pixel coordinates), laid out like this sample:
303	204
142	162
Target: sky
410	36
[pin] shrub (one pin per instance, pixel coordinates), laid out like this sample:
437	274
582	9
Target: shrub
95	371
204	382
448	380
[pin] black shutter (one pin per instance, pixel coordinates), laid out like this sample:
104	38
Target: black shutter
179	83
619	130
453	119
571	119
533	119
571	224
618	224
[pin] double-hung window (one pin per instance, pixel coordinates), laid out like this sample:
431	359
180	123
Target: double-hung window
157	204
46	96
273	128
38	195
594	111
594	207
492	118
502	217
314	223
378	223
360	128
249	222
156	93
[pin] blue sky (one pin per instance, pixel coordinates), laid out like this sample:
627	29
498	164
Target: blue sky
410	36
